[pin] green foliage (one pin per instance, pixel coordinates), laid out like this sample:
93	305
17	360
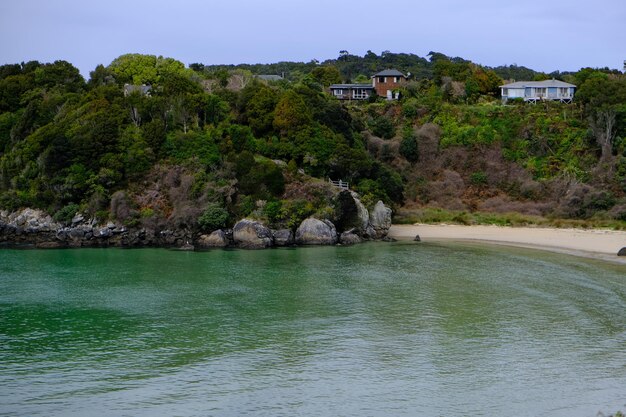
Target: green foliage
382	127
273	211
478	178
63	141
408	146
262	179
140	69
66	214
193	145
326	75
410	108
257	104
293	212
214	217
291	113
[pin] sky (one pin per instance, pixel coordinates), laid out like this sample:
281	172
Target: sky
545	35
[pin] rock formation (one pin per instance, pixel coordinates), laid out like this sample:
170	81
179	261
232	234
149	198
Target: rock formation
251	234
316	232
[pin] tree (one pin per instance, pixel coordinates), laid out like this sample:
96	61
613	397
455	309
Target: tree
60	74
326	75
603	125
291	113
259	109
145	69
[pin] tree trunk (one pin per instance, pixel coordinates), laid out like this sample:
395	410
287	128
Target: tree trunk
604	129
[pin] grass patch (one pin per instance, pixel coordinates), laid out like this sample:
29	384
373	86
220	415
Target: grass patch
429	215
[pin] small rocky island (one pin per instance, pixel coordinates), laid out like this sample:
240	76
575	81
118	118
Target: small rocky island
351	223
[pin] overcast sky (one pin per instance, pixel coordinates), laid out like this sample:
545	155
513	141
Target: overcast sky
545	35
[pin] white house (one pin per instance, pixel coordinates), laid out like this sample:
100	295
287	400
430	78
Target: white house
351	91
533	91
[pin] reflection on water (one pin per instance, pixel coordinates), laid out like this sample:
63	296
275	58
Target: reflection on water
374	329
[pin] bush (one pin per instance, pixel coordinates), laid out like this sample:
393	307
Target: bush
66	214
410	108
382	127
213	218
272	211
478	178
408	146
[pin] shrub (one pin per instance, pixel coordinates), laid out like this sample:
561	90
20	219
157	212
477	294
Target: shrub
408	147
410	108
478	178
382	127
213	218
272	211
66	214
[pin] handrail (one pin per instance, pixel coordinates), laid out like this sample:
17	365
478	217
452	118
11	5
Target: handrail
339	183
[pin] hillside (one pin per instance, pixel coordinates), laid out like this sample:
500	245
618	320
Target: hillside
207	146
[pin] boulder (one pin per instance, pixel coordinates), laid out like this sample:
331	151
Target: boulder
78	218
417	238
622	252
380	221
352	214
103	232
251	234
316	232
349	237
216	239
283	237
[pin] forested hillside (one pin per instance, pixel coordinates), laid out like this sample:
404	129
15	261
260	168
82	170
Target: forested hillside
208	145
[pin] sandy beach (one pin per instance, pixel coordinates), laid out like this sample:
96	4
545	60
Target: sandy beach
599	244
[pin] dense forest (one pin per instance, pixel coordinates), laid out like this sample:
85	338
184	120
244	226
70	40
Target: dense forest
202	146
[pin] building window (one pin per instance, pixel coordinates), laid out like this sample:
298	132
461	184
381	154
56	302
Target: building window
381	79
505	92
360	93
396	79
564	91
540	92
338	92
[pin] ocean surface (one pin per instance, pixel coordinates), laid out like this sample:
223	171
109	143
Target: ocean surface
378	329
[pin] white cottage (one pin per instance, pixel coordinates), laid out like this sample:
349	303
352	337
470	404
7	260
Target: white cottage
533	91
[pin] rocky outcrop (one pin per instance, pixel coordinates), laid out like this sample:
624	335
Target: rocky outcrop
36	228
283	237
349	237
251	234
313	231
31	227
216	239
380	221
622	252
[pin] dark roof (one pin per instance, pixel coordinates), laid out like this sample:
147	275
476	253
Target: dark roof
389	73
545	83
269	77
141	89
363	86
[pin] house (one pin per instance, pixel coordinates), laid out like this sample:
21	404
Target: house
533	91
351	91
385	82
270	77
143	90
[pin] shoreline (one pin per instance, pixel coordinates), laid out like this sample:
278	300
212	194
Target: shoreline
589	243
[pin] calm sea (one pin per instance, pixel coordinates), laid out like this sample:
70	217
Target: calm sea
403	329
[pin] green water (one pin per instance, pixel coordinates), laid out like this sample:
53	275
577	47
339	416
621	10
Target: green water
372	330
